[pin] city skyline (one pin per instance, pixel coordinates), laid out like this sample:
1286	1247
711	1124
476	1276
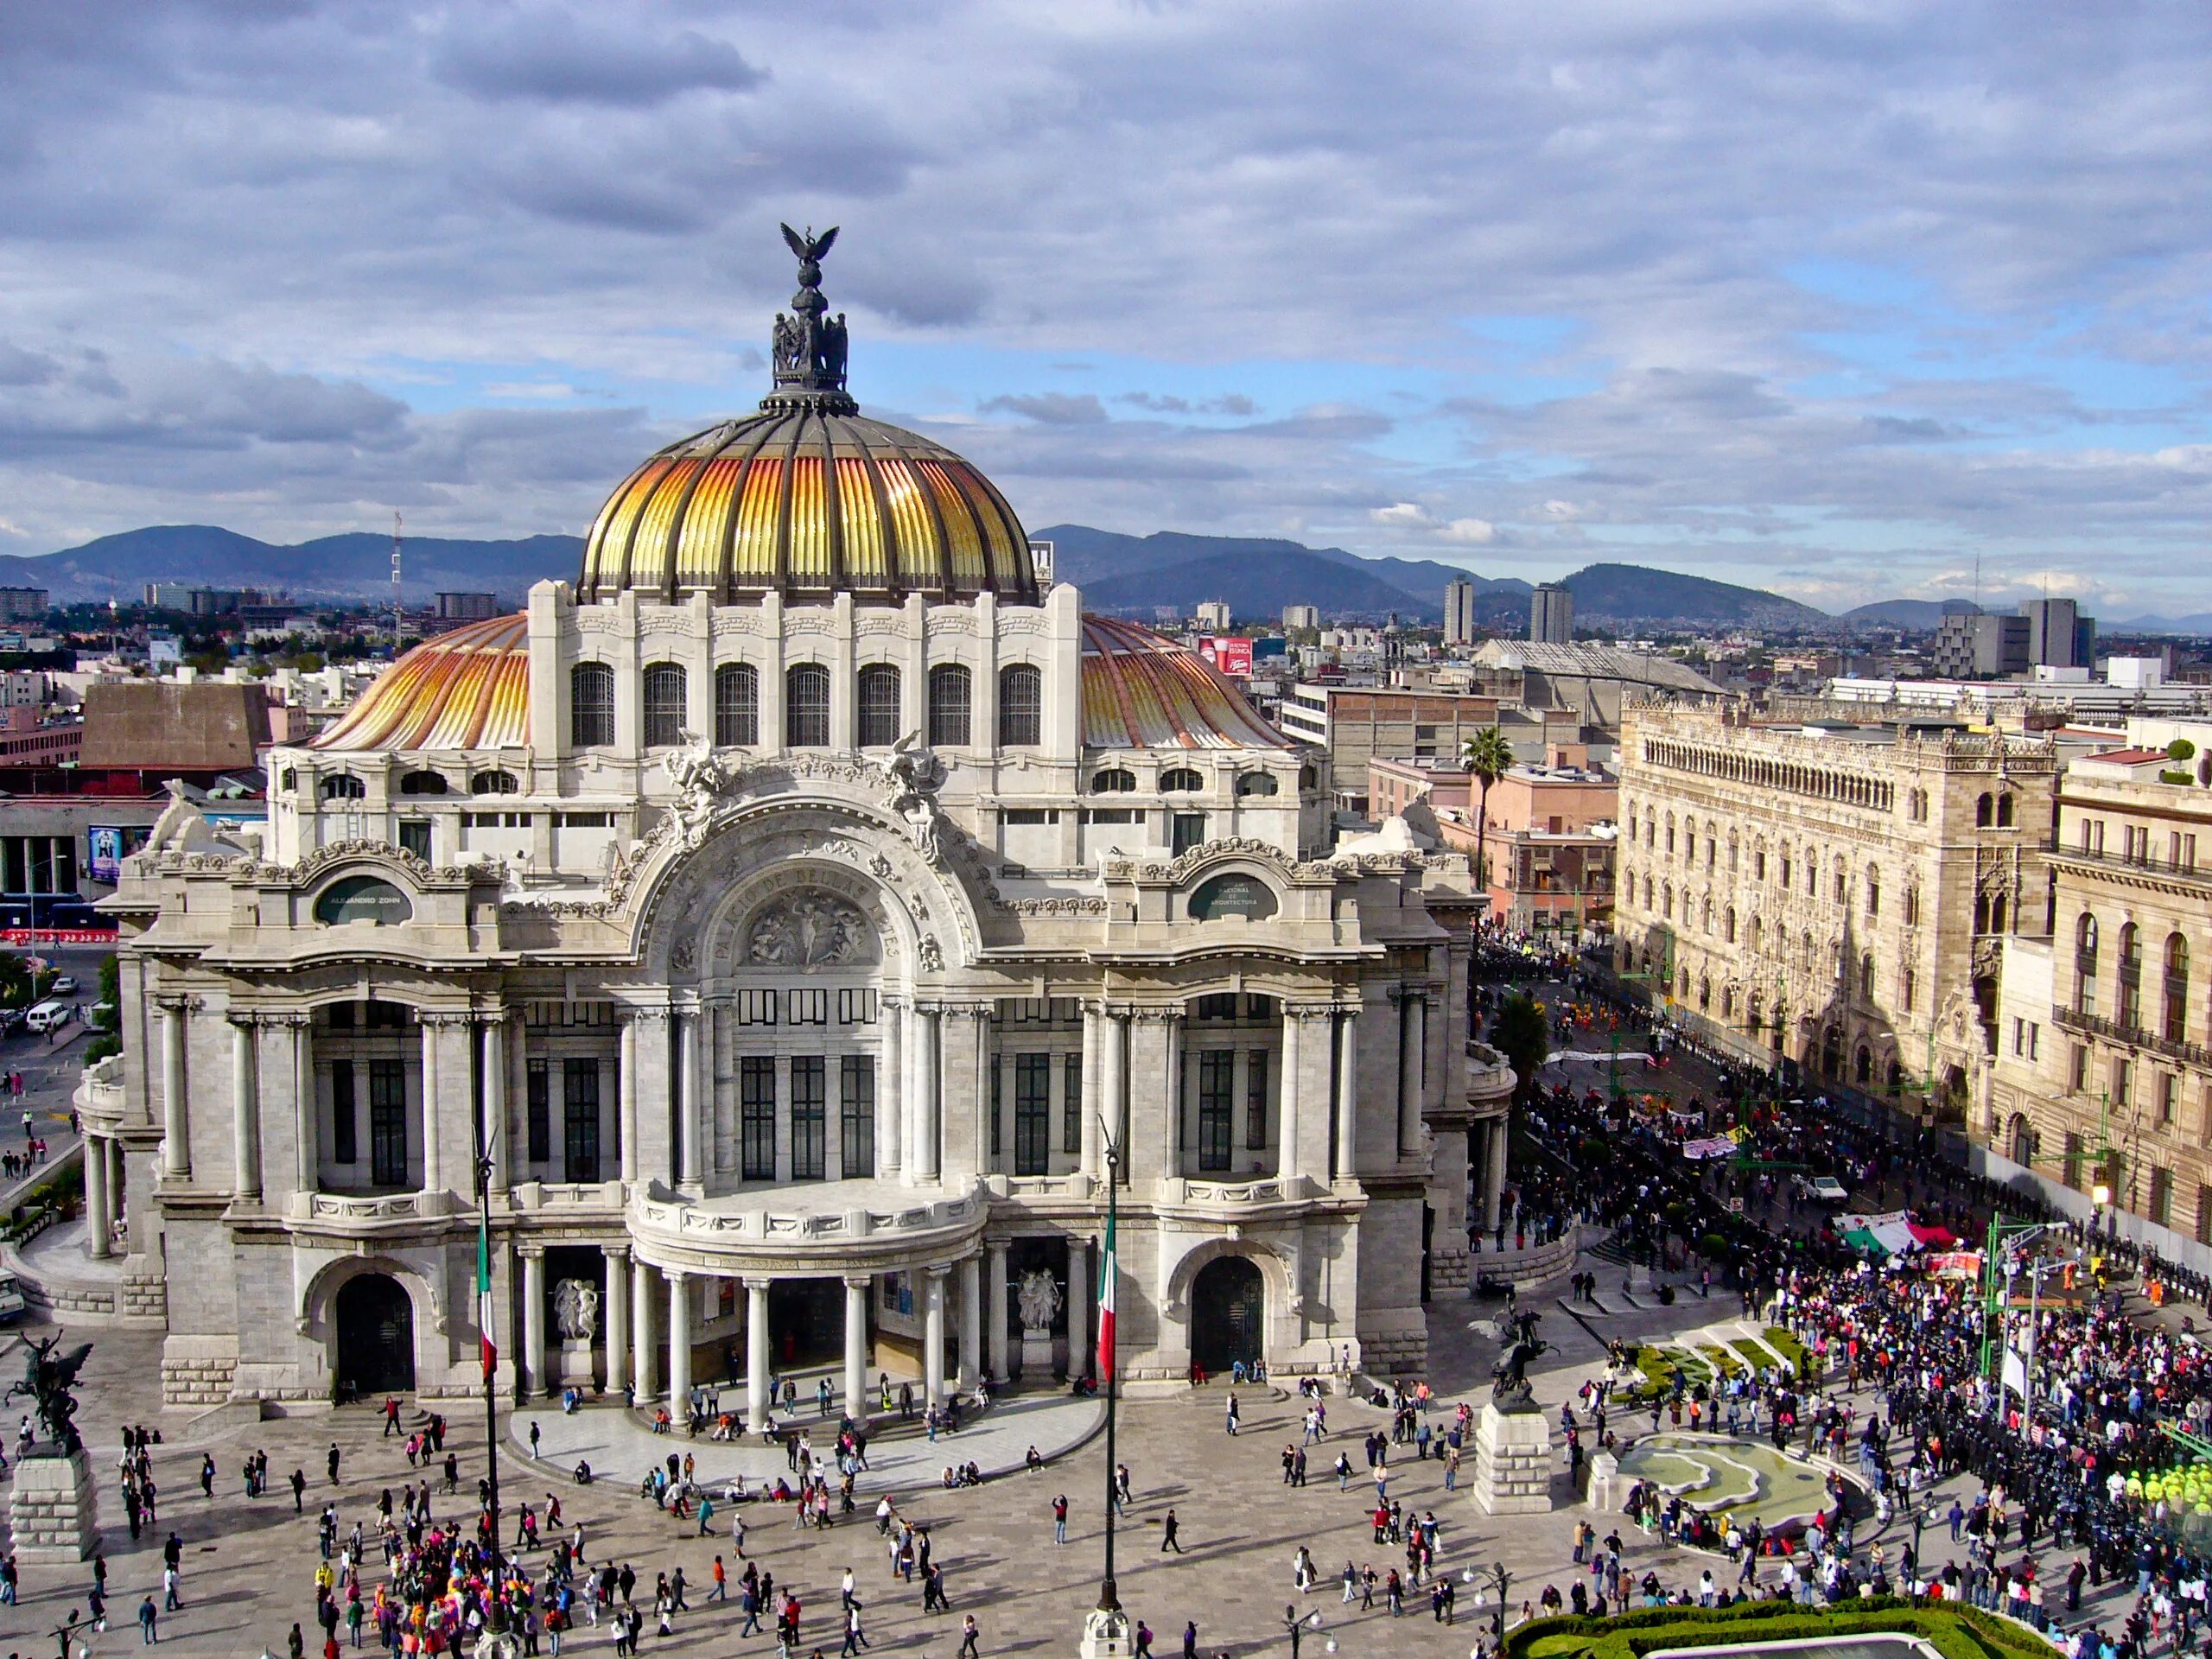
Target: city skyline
1840	304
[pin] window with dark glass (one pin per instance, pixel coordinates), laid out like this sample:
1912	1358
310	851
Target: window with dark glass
1071	1106
387	1123
1255	1100
1185	831
1022	706
949	702
756	1108
414	837
344	1148
1216	1108
810	1123
1033	1114
856	1116
538	1111
591	705
737	706
806	706
580	1118
879	706
664	705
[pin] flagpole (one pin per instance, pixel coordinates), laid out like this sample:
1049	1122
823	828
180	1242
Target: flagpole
1109	1600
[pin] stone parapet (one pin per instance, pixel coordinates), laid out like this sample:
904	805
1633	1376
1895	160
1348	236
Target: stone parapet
199	1370
52	1511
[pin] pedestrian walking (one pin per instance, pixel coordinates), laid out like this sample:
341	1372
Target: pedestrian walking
1167	1536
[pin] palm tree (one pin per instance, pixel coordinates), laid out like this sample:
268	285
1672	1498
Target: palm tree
1487	757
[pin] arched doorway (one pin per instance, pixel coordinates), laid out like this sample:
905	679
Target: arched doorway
376	1336
2023	1139
1227	1304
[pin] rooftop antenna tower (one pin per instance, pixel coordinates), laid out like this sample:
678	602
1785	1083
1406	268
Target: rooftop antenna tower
395	584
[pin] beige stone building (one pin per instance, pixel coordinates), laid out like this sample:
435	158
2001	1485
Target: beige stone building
1836	895
2104	1070
781	919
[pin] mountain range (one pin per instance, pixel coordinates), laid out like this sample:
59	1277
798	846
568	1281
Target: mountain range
1258	576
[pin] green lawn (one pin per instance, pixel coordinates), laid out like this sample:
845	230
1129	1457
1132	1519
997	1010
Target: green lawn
1785	1343
1956	1632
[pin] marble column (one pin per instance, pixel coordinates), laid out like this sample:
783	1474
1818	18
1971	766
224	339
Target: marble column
995	1319
618	1319
1093	1091
679	1346
491	1063
930	1079
1413	1010
890	1089
1494	1173
434	1176
857	1287
1079	1349
641	1330
99	1226
176	1135
1347	1164
245	1114
971	1320
533	1323
756	1354
1177	1095
1113	1094
626	1097
118	1199
933	1335
307	1115
685	1090
1290	1150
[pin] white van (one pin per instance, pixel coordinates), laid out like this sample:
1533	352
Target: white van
12	1305
48	1014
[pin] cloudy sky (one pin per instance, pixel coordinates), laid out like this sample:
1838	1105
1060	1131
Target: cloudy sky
1836	300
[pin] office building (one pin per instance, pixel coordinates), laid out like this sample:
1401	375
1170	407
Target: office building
1551	614
1460	612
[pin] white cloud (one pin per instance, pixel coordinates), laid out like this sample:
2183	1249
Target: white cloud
1470	532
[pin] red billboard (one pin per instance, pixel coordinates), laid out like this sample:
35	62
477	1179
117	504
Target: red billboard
1229	654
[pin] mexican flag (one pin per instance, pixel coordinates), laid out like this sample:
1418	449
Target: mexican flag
483	1300
1107	1271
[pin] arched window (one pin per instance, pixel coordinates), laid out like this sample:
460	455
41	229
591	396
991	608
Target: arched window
422	783
877	711
949	706
1984	810
1840	884
362	898
1113	781
290	780
1022	706
1873	892
1758	863
1785	870
2004	810
1689	843
1728	925
1705	916
1907	983
1997	914
2130	1011
1867	978
1667	900
806	706
493	783
591	705
1670	833
1759	933
1256	783
2174	1017
343	786
737	706
1732	853
2085	963
664	705
1912	906
1180	779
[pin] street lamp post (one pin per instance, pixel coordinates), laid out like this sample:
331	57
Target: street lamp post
1295	1625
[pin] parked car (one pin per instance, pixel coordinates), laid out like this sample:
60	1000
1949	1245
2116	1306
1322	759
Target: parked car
65	985
48	1014
12	1306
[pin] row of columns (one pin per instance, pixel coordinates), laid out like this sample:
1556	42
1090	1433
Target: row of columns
102	1193
633	1358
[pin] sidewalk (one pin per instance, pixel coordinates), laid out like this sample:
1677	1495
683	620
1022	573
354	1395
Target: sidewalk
620	1448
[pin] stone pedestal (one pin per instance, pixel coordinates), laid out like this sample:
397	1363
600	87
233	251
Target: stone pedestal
575	1369
1108	1633
1512	1461
52	1510
1036	1356
1605	1472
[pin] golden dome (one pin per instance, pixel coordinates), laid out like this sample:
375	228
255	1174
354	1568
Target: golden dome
807	498
1142	690
466	690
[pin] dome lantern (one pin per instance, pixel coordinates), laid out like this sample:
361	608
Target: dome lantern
808	498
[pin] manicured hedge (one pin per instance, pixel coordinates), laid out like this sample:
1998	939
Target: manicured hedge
1956	1632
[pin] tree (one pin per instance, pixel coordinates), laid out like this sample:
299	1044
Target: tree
1521	1032
1487	757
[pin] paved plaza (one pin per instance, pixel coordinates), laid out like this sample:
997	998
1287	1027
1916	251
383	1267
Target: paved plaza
248	1564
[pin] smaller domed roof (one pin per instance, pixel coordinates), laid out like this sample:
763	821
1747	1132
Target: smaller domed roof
1142	690
466	690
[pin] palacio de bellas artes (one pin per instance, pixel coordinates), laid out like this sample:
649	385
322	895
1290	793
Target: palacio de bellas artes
787	918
